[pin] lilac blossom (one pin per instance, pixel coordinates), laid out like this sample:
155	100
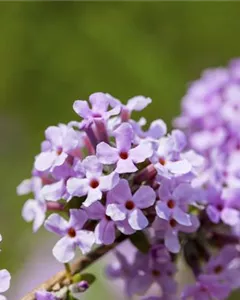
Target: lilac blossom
174	202
123	205
105	231
94	184
5	278
100	103
60	142
123	155
206	288
73	235
34	211
169	230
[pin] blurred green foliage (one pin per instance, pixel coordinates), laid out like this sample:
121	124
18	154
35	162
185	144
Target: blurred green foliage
53	53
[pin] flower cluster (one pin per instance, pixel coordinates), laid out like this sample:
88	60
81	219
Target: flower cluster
5	279
106	176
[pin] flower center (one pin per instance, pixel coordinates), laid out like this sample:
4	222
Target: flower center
123	155
218	269
129	205
72	232
162	161
220	207
173	223
59	151
171	203
97	115
156	273
94	183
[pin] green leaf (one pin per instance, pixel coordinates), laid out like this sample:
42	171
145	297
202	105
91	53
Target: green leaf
75	202
140	241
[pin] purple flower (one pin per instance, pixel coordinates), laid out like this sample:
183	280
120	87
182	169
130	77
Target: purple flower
72	234
123	205
105	231
100	103
5	278
224	209
94	184
60	142
225	266
123	156
34	210
167	159
206	288
174	202
169	229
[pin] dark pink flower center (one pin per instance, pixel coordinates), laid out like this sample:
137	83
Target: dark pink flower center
59	151
94	183
173	223
162	161
129	205
218	269
156	273
72	232
171	204
123	155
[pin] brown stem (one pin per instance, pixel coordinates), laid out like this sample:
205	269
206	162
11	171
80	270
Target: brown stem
83	262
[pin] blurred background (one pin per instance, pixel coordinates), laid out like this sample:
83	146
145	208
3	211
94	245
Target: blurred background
54	53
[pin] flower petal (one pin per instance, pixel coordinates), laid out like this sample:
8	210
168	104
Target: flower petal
120	193
230	216
125	166
109	181
86	239
163	211
179	167
64	250
5	278
137	219
56	224
105	232
45	160
141	152
78	218
106	154
124	136
78	186
93	196
144	197
82	108
171	241
181	217
116	212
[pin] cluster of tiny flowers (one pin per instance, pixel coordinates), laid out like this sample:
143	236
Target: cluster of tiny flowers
210	119
105	176
5	279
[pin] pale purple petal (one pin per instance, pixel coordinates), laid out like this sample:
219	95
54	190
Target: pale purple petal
116	212
60	159
171	241
213	214
5	278
124	136
144	197
124	227
181	217
105	232
93	196
163	211
54	191
125	166
34	210
107	154
141	152
100	102
78	186
45	160
25	187
53	134
64	249
86	239
43	295
138	103
78	218
96	211
56	224
120	193
82	108
137	219
92	166
230	216
157	129
2	297
108	182
179	167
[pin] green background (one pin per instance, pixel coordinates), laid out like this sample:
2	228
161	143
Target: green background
54	53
